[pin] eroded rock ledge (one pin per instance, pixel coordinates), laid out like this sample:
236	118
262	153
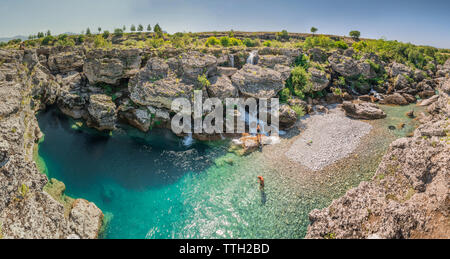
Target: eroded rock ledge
409	195
26	210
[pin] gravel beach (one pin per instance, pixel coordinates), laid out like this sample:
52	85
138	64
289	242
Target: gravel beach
326	139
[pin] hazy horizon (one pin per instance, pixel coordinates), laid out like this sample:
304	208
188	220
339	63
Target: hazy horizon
418	22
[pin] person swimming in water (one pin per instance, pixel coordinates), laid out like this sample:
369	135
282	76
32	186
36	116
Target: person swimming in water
261	183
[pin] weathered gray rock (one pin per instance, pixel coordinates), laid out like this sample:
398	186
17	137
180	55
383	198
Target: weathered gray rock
271	61
226	71
401	82
363	111
222	88
66	61
319	79
102	111
317	55
110	66
81	218
407	197
258	82
287	117
160	93
399	69
395	98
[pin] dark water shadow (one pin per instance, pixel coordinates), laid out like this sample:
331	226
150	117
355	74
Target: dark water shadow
85	158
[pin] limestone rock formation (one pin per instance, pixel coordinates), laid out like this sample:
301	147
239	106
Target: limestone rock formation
319	79
110	66
82	216
363	111
255	81
287	116
407	198
222	88
102	111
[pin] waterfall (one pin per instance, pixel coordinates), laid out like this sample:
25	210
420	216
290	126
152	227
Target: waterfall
251	58
231	57
188	140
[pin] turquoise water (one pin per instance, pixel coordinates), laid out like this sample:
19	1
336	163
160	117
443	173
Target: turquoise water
152	186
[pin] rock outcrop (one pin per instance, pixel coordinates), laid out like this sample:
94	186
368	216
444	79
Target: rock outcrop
110	66
102	112
409	195
363	111
26	210
258	82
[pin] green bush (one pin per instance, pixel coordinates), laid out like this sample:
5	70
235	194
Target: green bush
285	95
251	43
105	34
320	41
203	81
48	40
267	43
155	43
101	42
341	44
298	110
225	41
118	32
299	82
212	41
236	42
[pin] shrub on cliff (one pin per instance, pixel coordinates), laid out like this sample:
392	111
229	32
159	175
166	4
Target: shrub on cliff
341	44
251	43
101	42
299	82
225	41
212	41
118	32
48	40
320	41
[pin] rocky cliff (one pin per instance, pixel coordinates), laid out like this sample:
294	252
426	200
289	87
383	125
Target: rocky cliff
409	195
106	87
26	210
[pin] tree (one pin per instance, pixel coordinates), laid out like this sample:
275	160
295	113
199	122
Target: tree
118	32
140	28
149	28
133	28
355	34
124	28
99	30
105	34
314	30
88	31
48	33
158	30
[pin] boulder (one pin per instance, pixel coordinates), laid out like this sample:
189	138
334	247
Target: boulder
319	79
222	88
287	116
255	81
102	111
72	104
226	71
66	61
399	69
110	66
193	64
271	61
395	98
317	55
160	93
81	219
401	82
343	65
363	111
284	70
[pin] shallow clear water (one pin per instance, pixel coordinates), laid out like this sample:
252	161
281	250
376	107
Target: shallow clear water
153	186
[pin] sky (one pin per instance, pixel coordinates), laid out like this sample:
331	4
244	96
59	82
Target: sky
425	22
